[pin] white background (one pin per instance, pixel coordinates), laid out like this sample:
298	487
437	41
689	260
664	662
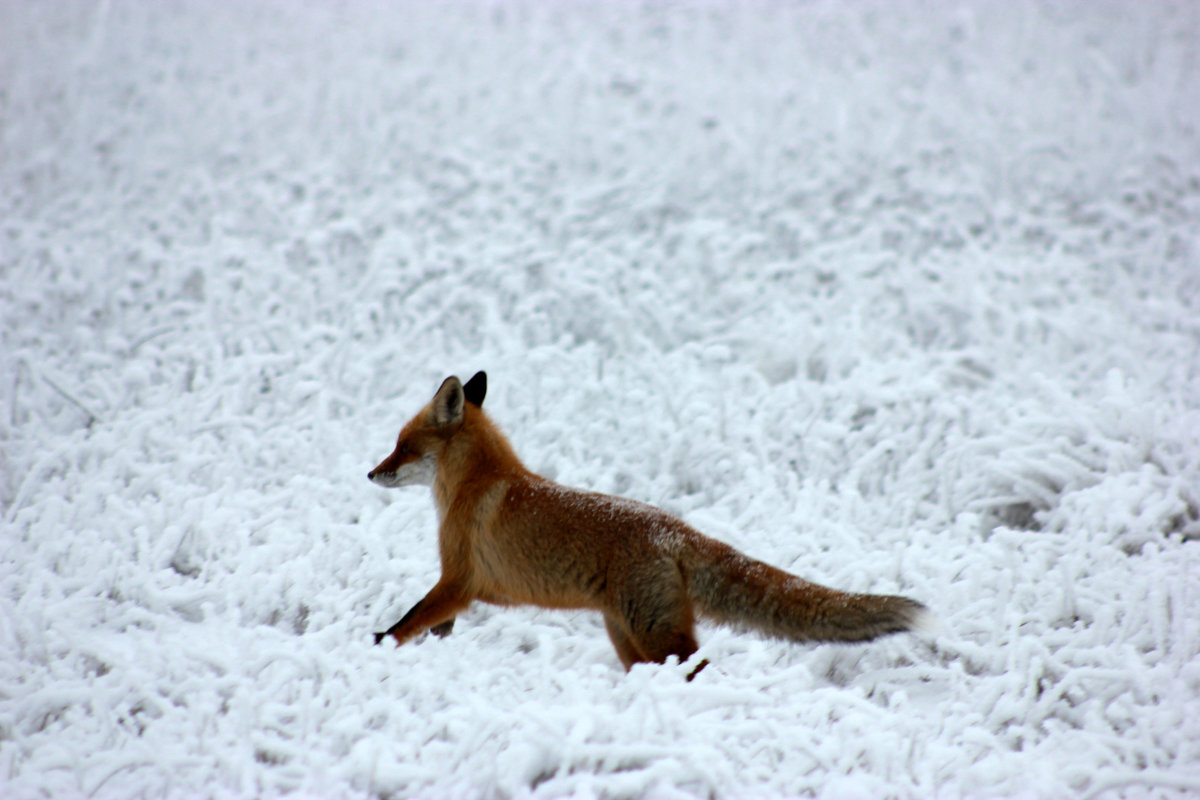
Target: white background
901	297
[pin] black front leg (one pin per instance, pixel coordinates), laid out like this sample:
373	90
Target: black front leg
379	637
439	630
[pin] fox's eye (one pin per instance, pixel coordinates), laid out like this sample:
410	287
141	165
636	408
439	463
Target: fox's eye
404	449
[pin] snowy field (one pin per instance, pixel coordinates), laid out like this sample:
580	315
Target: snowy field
902	297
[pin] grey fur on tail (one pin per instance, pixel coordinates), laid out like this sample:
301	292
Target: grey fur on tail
732	588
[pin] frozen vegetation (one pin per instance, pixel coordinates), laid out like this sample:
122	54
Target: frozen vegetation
899	296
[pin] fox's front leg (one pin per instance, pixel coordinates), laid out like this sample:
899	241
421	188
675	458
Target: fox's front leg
443	630
434	612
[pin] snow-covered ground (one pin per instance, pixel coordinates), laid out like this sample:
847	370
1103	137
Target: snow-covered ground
902	297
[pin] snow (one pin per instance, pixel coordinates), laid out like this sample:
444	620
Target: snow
900	297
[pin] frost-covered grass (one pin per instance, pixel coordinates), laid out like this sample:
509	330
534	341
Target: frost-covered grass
902	297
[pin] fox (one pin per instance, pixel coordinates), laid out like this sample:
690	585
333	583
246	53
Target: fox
507	536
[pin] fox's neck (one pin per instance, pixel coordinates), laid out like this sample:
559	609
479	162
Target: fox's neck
476	458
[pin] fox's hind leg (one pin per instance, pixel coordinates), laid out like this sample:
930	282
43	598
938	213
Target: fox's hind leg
655	620
667	640
626	650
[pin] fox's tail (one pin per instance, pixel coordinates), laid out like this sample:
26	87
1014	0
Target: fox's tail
732	588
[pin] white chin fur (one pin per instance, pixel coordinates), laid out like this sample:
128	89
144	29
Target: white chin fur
418	473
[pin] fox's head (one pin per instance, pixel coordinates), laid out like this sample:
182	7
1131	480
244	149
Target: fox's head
422	440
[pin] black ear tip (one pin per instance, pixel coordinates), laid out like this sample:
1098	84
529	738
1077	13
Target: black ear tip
476	388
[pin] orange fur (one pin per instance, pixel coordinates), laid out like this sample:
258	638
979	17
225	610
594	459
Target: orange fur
508	536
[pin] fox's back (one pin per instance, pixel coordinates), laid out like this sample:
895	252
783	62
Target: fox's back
566	547
550	512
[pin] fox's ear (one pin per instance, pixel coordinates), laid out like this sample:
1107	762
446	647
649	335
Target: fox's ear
448	402
476	388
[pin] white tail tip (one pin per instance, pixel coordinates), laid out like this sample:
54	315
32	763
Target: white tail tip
928	623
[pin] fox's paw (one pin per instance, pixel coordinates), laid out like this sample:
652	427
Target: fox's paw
379	637
443	630
692	675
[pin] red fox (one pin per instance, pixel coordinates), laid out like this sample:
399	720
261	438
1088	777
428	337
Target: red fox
508	536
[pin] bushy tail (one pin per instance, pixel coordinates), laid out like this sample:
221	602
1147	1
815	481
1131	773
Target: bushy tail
734	589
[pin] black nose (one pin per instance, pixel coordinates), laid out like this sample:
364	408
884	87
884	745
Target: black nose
371	475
